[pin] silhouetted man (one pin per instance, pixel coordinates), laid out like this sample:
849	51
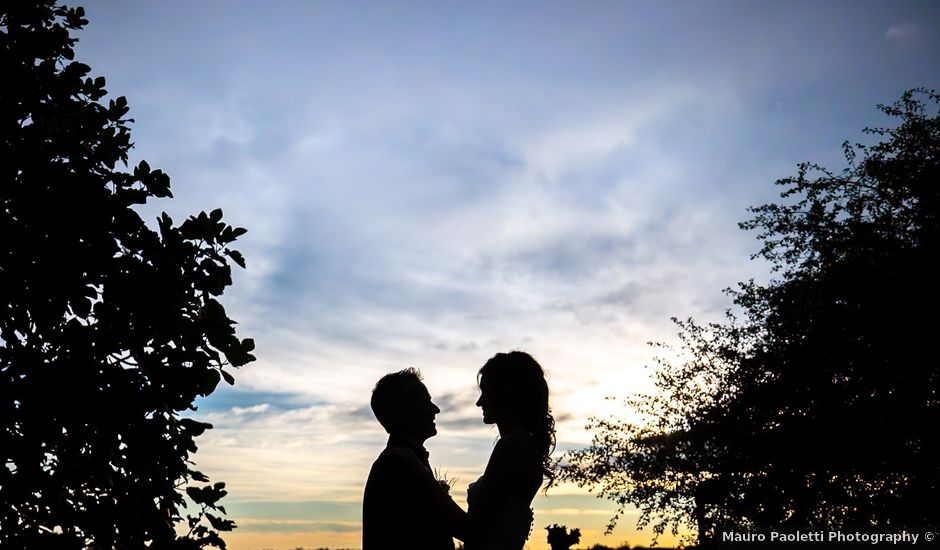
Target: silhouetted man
404	506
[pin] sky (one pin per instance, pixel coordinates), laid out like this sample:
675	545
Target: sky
429	183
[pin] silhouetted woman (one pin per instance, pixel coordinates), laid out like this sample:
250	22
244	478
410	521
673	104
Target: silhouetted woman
514	396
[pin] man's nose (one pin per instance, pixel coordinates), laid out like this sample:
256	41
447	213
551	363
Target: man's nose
435	408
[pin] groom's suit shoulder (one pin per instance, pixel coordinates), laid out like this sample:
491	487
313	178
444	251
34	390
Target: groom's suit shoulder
391	464
403	505
397	465
394	454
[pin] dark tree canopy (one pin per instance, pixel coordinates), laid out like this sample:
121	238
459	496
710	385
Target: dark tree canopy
819	406
109	329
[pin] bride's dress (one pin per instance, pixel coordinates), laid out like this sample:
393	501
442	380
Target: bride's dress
507	521
498	502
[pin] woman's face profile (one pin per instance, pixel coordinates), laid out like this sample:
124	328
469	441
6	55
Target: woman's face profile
492	410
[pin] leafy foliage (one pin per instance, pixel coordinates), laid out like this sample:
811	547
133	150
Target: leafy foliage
109	329
559	538
819	407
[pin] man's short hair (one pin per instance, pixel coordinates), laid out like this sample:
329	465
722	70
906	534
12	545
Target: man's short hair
388	394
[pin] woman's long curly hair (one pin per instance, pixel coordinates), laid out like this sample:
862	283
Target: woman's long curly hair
518	382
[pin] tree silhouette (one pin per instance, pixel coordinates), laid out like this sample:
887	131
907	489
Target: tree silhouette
109	329
559	538
819	405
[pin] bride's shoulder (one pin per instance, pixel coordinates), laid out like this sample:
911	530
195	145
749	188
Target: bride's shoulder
519	446
517	440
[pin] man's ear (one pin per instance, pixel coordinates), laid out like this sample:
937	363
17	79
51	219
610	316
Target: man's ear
393	422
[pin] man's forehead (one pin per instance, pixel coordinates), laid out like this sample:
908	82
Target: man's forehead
416	388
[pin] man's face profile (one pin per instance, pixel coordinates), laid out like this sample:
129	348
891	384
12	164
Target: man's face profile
416	412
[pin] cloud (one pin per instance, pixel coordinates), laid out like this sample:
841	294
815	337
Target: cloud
573	512
903	32
361	414
296	525
255	409
228	399
462	423
322	451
